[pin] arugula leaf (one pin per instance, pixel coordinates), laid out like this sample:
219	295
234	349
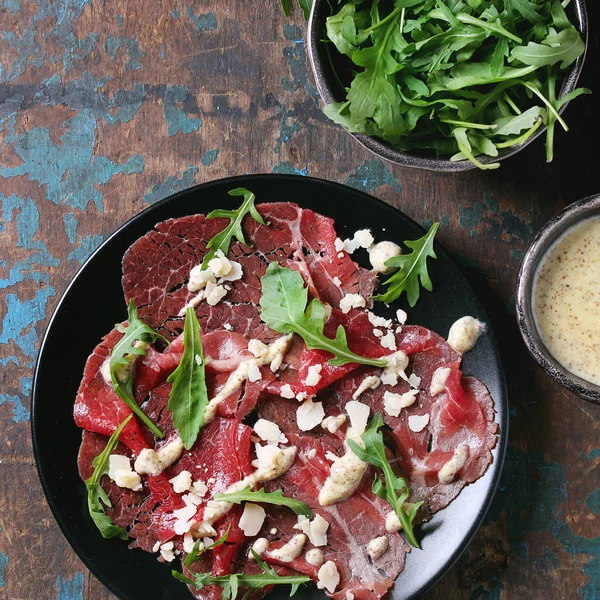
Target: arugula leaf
276	497
97	498
514	125
374	454
412	268
223	239
563	47
136	338
188	398
284	309
197	552
230	584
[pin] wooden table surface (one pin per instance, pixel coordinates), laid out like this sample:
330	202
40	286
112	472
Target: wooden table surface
108	106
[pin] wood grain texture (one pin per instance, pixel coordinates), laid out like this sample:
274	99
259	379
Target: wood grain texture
108	106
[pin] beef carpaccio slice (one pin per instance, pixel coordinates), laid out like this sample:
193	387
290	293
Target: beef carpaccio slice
156	269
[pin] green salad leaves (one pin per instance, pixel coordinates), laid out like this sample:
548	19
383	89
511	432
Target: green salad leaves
97	498
304	5
412	268
445	75
276	497
223	239
188	398
284	309
137	336
230	584
394	490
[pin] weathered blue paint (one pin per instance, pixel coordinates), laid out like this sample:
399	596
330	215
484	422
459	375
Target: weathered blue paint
209	157
593	502
71	222
493	593
203	21
547	561
371	175
176	117
119	20
518	254
288	169
87	245
134	53
70	170
286	131
171	184
444	221
295	56
26	47
21	318
3	565
19	413
8	359
175	14
14	6
70	589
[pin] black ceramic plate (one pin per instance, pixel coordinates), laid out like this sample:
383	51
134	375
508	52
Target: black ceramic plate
94	302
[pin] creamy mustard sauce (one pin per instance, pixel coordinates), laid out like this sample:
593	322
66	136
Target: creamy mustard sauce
566	299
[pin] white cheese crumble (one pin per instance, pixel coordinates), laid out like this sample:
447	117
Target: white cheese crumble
117	462
309	414
378	546
252	519
328	577
183	516
438	380
352	301
260	547
287	392
396	365
214	294
200	488
220	265
314	375
228	326
254	373
199	278
189	543
273	531
166	551
198	359
267	430
388	341
381	252
464	334
401	316
150	462
448	472
349	595
337	281
359	416
378	321
338	244
332	424
417	423
126	478
368	383
156	547
394	403
314	557
414	381
378	333
301	396
290	551
105	371
330	456
257	348
361	239
181	483
311	453
316	530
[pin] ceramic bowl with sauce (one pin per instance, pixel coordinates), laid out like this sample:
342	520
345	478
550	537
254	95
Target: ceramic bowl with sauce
558	298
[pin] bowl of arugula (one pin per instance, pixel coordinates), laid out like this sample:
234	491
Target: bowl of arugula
448	85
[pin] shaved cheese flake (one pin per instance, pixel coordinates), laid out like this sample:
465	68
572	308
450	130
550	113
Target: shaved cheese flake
258	349
328	577
309	415
332	424
252	519
117	462
267	430
313	376
417	423
181	483
287	392
254	373
401	316
359	416
352	301
388	341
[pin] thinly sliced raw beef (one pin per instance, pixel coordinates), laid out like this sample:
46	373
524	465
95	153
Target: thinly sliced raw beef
156	268
352	525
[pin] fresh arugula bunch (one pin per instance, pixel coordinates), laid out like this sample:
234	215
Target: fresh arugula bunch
411	268
223	239
276	497
460	78
230	584
305	6
394	490
284	302
188	398
97	498
137	336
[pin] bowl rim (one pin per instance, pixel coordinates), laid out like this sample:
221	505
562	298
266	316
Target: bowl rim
572	215
384	149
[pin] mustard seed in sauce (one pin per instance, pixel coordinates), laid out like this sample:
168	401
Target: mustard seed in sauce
566	300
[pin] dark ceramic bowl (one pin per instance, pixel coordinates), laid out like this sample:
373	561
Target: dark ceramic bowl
331	91
572	215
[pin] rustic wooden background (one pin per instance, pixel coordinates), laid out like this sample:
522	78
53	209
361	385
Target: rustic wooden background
106	106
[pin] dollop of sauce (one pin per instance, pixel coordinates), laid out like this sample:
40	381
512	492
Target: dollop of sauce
566	300
464	334
381	252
